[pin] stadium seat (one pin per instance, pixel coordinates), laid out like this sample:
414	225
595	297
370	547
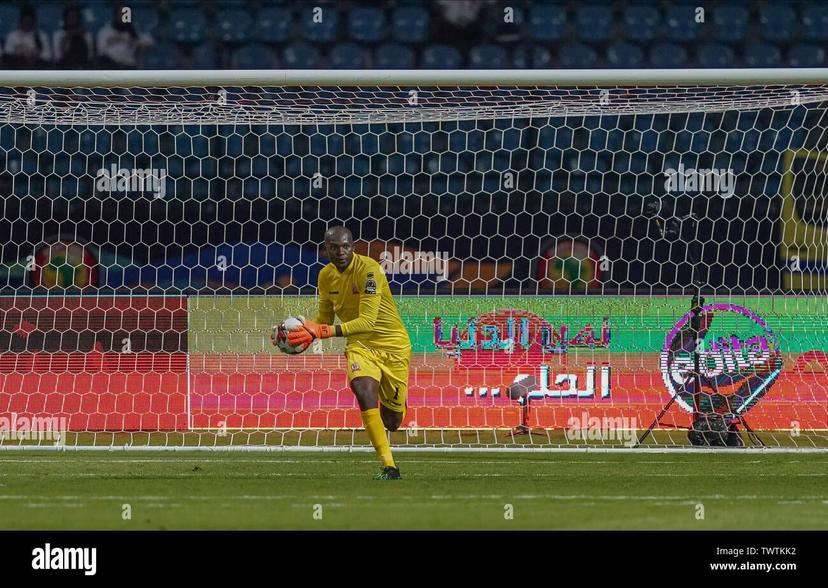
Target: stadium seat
272	25
547	23
204	57
441	57
409	24
233	25
95	15
162	56
146	18
668	55
537	57
815	22
50	17
187	25
366	24
487	57
641	22
806	55
301	56
497	30
625	55
577	56
713	55
348	56
762	55
593	23
730	22
680	21
9	19
254	56
324	31
776	22
394	57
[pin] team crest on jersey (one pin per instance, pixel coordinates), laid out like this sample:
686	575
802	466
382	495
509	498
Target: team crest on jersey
370	285
355	367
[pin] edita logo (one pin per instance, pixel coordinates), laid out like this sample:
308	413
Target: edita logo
738	354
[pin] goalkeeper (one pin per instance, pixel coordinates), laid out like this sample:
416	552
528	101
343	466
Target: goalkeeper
354	288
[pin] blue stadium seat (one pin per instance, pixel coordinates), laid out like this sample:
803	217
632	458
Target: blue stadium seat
162	56
815	22
806	55
272	25
762	55
348	56
49	17
730	22
547	23
641	22
668	55
577	56
593	22
9	19
499	31
535	57
145	17
78	165
441	57
254	56
409	24
204	56
233	25
187	25
488	57
95	15
284	144
713	55
301	56
366	24
324	31
394	57
777	22
625	55
681	23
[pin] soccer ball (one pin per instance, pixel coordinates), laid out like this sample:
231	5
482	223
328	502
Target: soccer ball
282	329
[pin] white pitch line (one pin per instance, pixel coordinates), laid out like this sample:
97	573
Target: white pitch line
436	497
174	460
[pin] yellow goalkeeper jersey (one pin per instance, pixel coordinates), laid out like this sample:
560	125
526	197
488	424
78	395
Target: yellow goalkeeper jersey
361	298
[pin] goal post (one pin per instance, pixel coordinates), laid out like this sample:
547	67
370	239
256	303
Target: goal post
590	259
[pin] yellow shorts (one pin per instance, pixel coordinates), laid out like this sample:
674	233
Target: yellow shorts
389	368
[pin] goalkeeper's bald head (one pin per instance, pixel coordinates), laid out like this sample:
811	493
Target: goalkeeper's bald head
337	233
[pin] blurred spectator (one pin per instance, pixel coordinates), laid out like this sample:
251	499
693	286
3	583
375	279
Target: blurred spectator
460	21
72	46
27	47
120	46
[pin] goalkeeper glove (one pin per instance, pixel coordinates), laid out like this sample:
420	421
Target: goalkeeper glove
309	331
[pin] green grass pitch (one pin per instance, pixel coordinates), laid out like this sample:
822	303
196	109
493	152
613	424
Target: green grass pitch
289	490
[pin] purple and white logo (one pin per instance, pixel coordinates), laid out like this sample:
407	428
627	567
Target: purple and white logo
739	359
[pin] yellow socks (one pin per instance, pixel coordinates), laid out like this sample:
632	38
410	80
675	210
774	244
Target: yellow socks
376	433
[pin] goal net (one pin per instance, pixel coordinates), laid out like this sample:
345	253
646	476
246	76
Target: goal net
606	261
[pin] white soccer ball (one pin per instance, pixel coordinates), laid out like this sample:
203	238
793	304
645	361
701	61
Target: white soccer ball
282	329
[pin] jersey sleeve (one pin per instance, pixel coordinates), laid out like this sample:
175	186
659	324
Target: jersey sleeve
326	309
371	286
